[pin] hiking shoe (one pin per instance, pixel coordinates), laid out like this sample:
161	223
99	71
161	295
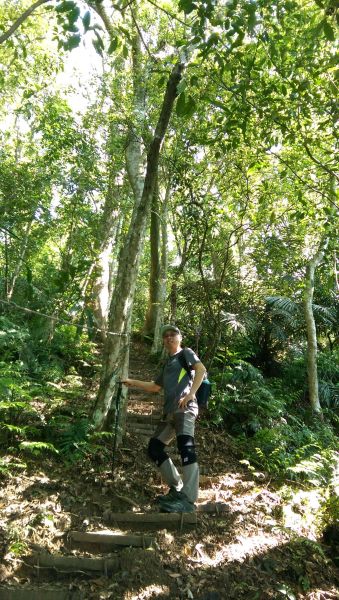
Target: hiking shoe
178	505
171	495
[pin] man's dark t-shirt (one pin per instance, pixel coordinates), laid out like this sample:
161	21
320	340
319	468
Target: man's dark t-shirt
176	382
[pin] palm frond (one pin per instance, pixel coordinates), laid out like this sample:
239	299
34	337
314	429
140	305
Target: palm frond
232	320
325	314
283	305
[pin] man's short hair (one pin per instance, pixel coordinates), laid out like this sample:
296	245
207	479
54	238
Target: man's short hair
166	328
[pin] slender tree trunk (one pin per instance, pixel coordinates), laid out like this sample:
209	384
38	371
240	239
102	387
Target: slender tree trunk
312	373
123	295
159	308
335	269
20	260
6	265
134	149
112	222
107	239
154	280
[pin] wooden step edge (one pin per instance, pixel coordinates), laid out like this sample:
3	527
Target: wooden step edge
161	518
73	563
112	539
213	508
148	420
26	592
137	427
140	432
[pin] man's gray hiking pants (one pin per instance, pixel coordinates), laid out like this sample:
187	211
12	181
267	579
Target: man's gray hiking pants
181	425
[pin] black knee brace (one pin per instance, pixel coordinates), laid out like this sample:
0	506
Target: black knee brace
156	451
186	448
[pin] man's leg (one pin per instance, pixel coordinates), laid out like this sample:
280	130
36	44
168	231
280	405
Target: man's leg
156	451
184	427
190	467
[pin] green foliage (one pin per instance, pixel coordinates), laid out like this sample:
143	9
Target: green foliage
328	373
70	437
13	337
294	451
329	514
10	465
274	431
242	400
72	345
295	374
37	448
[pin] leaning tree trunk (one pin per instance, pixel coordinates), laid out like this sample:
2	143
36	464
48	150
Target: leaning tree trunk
154	280
111	222
161	288
119	324
312	372
20	259
107	239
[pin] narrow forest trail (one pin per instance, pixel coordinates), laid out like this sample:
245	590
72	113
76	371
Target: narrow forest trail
81	534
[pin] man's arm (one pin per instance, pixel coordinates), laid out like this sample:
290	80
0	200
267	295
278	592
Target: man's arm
199	375
147	386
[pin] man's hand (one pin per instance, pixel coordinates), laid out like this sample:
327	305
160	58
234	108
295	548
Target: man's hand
127	382
186	399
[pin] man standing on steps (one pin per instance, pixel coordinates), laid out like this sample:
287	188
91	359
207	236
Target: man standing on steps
180	413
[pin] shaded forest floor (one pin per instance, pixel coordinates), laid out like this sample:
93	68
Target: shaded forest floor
248	552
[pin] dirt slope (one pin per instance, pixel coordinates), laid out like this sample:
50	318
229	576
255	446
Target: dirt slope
245	552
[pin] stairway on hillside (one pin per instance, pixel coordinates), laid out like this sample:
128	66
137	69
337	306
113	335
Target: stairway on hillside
102	552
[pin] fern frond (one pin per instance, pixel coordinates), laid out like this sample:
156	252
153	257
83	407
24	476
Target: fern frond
38	448
74	435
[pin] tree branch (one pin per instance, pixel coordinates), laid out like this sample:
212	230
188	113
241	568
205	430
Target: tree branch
21	19
167	12
141	36
100	10
318	162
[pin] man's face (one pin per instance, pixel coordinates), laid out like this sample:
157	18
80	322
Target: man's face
171	341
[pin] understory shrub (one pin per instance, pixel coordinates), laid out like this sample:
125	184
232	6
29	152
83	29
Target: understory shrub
243	402
274	428
293	451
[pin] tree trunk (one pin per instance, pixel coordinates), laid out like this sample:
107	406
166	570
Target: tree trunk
6	265
122	300
159	307
20	260
335	269
312	373
108	239
154	280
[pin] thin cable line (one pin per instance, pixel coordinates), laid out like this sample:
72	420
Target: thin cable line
59	320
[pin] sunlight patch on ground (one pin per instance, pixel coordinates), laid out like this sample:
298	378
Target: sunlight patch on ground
147	592
300	512
239	551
